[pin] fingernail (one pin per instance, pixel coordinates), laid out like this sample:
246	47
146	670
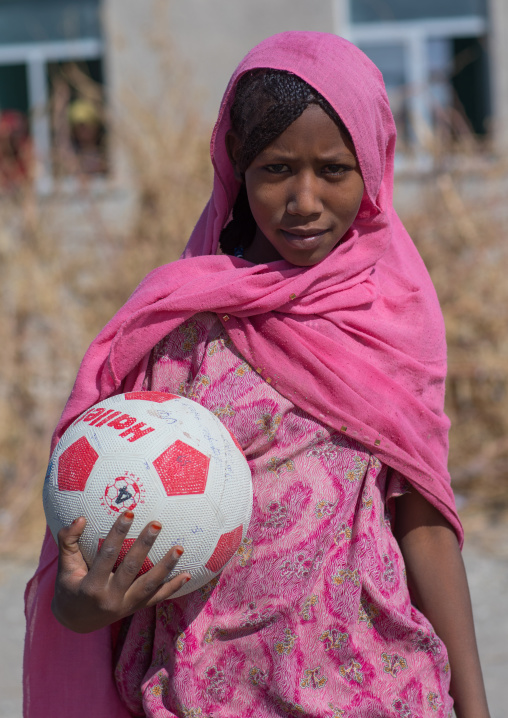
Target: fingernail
156	526
129	515
186	580
179	551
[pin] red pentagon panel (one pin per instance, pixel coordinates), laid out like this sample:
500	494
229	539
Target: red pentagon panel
235	440
75	465
147	564
226	547
182	469
158	396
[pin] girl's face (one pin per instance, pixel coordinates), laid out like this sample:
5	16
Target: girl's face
304	191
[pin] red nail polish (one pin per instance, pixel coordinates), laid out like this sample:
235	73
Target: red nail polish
155	526
187	579
129	514
179	551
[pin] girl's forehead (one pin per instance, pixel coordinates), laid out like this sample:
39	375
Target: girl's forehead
314	131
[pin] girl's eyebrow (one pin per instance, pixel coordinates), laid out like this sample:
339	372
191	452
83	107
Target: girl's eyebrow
326	157
338	156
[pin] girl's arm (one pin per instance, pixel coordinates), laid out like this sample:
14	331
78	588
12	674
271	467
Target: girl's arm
438	585
86	600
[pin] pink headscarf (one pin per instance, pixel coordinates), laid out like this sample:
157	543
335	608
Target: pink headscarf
357	340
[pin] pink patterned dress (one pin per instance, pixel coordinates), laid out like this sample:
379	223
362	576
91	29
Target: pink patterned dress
312	616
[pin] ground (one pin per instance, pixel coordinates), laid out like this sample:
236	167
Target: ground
487	569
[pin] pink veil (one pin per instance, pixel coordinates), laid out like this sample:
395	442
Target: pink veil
357	341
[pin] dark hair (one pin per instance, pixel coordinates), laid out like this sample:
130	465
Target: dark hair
266	102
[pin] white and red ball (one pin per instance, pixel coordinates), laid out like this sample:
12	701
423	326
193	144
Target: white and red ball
164	457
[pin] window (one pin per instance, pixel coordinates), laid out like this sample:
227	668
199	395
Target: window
50	57
434	63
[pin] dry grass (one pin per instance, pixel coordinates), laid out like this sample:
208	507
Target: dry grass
460	233
64	271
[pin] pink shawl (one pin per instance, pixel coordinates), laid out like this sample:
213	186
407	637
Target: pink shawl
357	341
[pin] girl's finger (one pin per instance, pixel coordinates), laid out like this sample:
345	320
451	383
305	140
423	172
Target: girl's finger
130	567
169	588
69	557
107	556
149	583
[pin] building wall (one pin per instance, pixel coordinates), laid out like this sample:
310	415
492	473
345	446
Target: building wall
216	35
148	43
210	37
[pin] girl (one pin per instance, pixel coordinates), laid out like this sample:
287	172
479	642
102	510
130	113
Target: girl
302	315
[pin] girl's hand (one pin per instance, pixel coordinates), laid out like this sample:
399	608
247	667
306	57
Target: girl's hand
88	599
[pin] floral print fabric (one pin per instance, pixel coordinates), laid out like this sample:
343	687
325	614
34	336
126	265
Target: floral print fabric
312	616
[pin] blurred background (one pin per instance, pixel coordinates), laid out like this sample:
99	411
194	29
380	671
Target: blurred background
106	108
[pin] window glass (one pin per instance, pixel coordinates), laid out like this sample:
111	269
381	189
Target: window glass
389	10
78	128
390	59
470	82
13	88
440	95
15	145
48	20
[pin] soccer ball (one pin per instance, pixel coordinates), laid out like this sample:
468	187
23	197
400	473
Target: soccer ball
164	457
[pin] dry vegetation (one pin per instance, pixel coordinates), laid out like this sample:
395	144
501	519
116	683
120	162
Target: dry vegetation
64	270
460	232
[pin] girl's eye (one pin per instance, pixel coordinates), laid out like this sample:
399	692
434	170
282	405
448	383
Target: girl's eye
336	169
276	169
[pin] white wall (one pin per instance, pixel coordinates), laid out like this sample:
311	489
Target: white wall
150	42
216	35
210	36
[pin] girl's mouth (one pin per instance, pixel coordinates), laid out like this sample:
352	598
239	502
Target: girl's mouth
303	236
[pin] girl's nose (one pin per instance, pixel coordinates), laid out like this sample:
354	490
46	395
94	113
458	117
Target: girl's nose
304	197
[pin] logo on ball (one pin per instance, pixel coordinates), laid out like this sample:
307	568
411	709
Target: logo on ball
123	494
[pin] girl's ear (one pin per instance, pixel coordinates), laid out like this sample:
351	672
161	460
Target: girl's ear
233	148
